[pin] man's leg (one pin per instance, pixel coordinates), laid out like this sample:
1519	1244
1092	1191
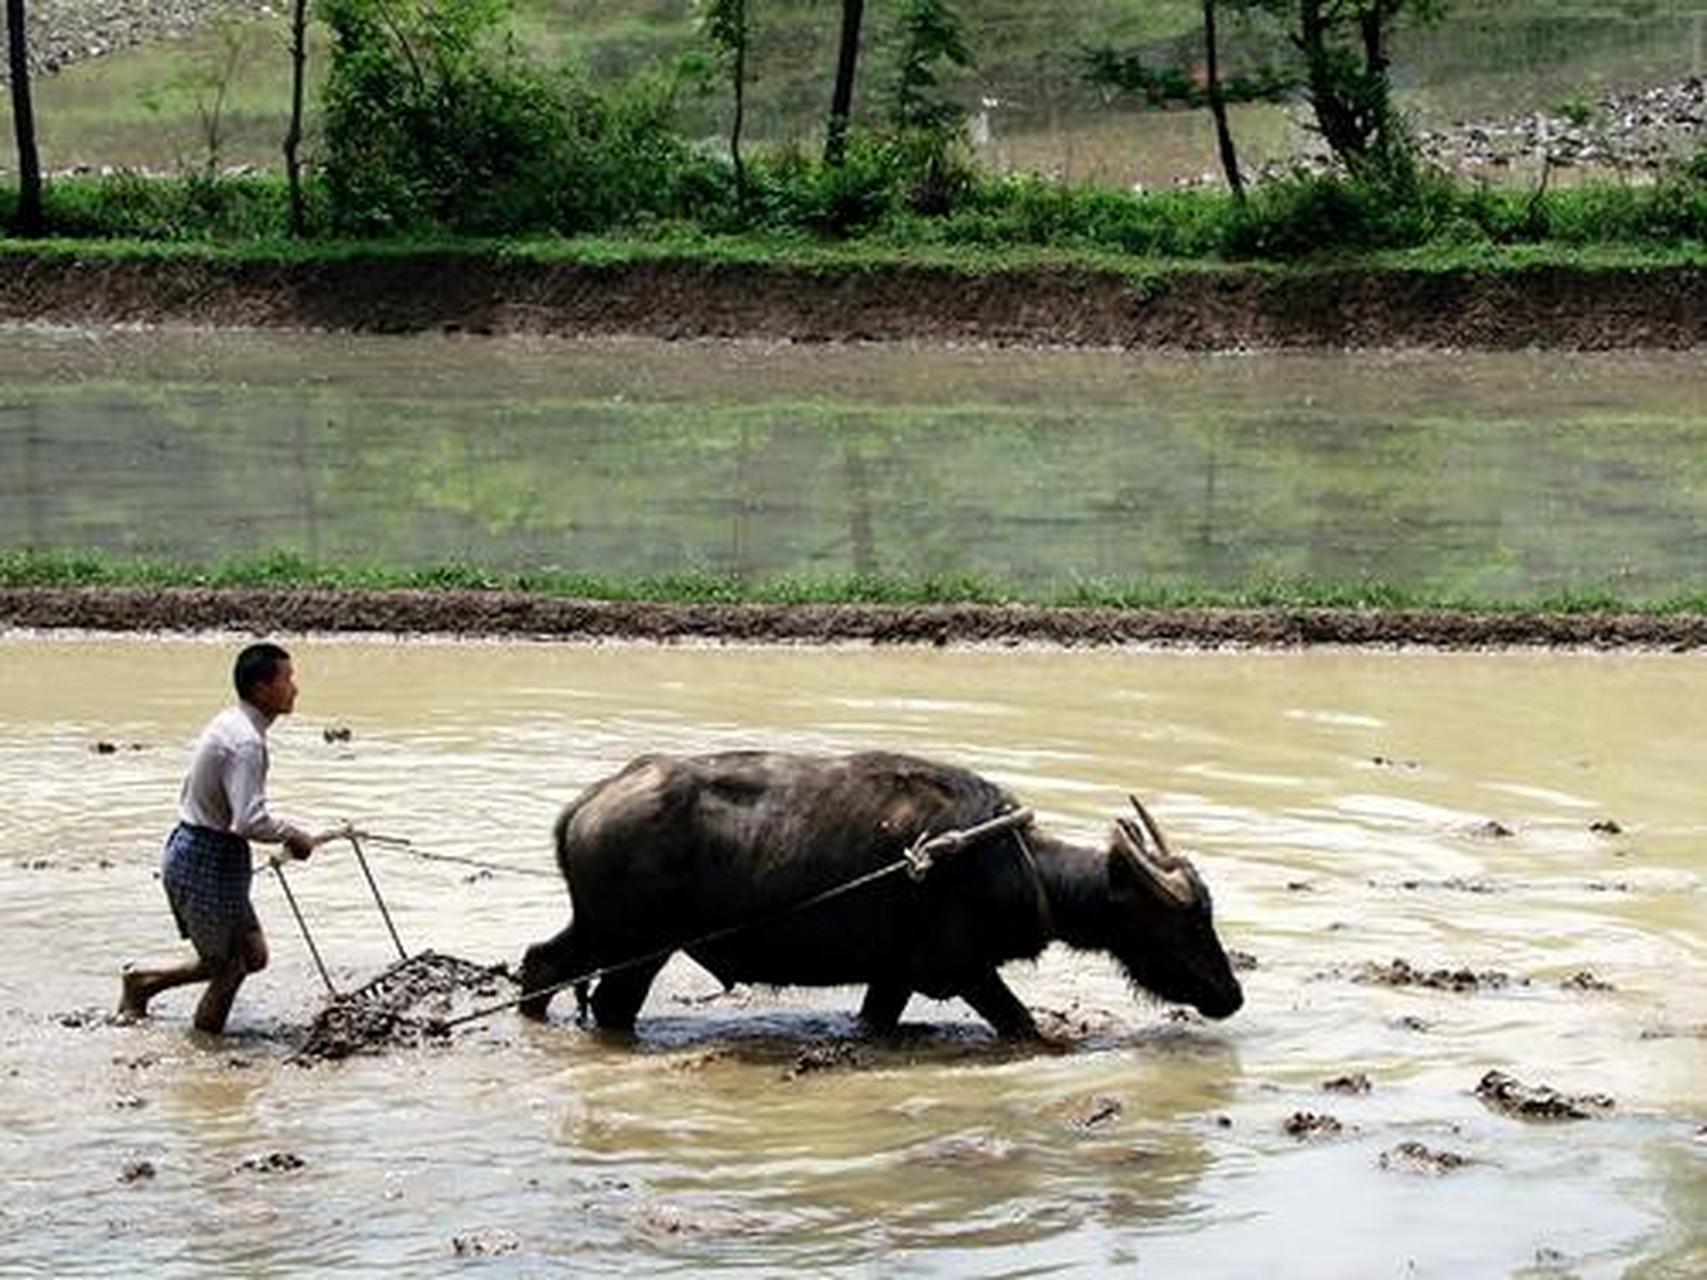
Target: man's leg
250	956
142	985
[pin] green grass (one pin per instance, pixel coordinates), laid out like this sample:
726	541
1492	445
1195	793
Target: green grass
286	570
687	247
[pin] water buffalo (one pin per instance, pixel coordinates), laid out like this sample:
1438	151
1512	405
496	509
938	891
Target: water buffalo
673	849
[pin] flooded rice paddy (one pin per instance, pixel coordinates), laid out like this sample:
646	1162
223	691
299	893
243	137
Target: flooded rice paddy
1511	476
1437	867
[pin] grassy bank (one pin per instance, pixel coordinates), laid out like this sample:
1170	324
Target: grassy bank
801	217
286	571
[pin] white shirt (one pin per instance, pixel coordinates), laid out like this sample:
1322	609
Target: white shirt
226	787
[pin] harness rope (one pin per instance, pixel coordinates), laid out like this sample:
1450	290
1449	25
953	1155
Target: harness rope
916	860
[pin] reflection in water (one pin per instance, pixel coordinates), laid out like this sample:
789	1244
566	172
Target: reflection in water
1336	803
1491	475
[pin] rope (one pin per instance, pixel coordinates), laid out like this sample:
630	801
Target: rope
411	849
915	860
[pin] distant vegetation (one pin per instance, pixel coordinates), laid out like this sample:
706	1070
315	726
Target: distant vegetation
451	118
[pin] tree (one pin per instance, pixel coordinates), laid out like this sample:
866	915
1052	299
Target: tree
293	134
29	222
930	38
1218	103
1344	47
725	22
1170	86
929	126
841	98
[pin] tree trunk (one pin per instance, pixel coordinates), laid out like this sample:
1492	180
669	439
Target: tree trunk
1337	117
293	134
24	122
1218	104
1375	64
740	74
841	101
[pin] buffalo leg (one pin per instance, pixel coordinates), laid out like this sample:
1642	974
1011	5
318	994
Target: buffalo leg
619	994
883	1004
998	1006
546	965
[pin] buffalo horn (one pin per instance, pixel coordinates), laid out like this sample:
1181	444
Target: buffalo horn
1149	848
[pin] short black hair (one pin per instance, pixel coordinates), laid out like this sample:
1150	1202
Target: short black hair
256	665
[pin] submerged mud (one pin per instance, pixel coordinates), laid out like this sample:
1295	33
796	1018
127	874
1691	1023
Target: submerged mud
518	614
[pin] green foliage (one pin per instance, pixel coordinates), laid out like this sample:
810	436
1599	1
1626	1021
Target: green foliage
193	206
1345	47
1305	216
431	117
435	119
1294	217
929	41
928	127
1130	75
794	192
1031	211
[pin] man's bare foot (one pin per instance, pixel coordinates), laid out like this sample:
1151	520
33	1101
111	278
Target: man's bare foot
133	1003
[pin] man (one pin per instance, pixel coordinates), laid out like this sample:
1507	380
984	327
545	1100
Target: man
206	868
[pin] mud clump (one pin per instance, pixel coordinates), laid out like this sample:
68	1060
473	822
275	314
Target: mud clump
829	1057
1585	980
1354	1085
1307	1125
1401	973
1087	1114
1492	829
484	1244
1510	1096
406	1007
273	1162
137	1171
1414	1157
1077	1022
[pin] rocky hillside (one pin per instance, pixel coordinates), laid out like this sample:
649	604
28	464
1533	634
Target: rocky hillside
66	31
1640	130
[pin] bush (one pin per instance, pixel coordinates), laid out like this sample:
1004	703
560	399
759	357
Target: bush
792	192
1295	217
434	120
193	206
1031	211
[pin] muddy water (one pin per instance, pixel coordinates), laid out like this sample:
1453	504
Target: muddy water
1515	475
1337	802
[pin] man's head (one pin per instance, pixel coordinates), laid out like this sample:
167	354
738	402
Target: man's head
264	679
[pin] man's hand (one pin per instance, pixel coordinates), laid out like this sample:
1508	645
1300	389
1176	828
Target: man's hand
299	846
343	831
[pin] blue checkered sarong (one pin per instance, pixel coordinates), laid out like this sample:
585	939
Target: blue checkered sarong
206	875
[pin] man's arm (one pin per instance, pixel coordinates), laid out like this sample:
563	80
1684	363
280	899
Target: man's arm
246	789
